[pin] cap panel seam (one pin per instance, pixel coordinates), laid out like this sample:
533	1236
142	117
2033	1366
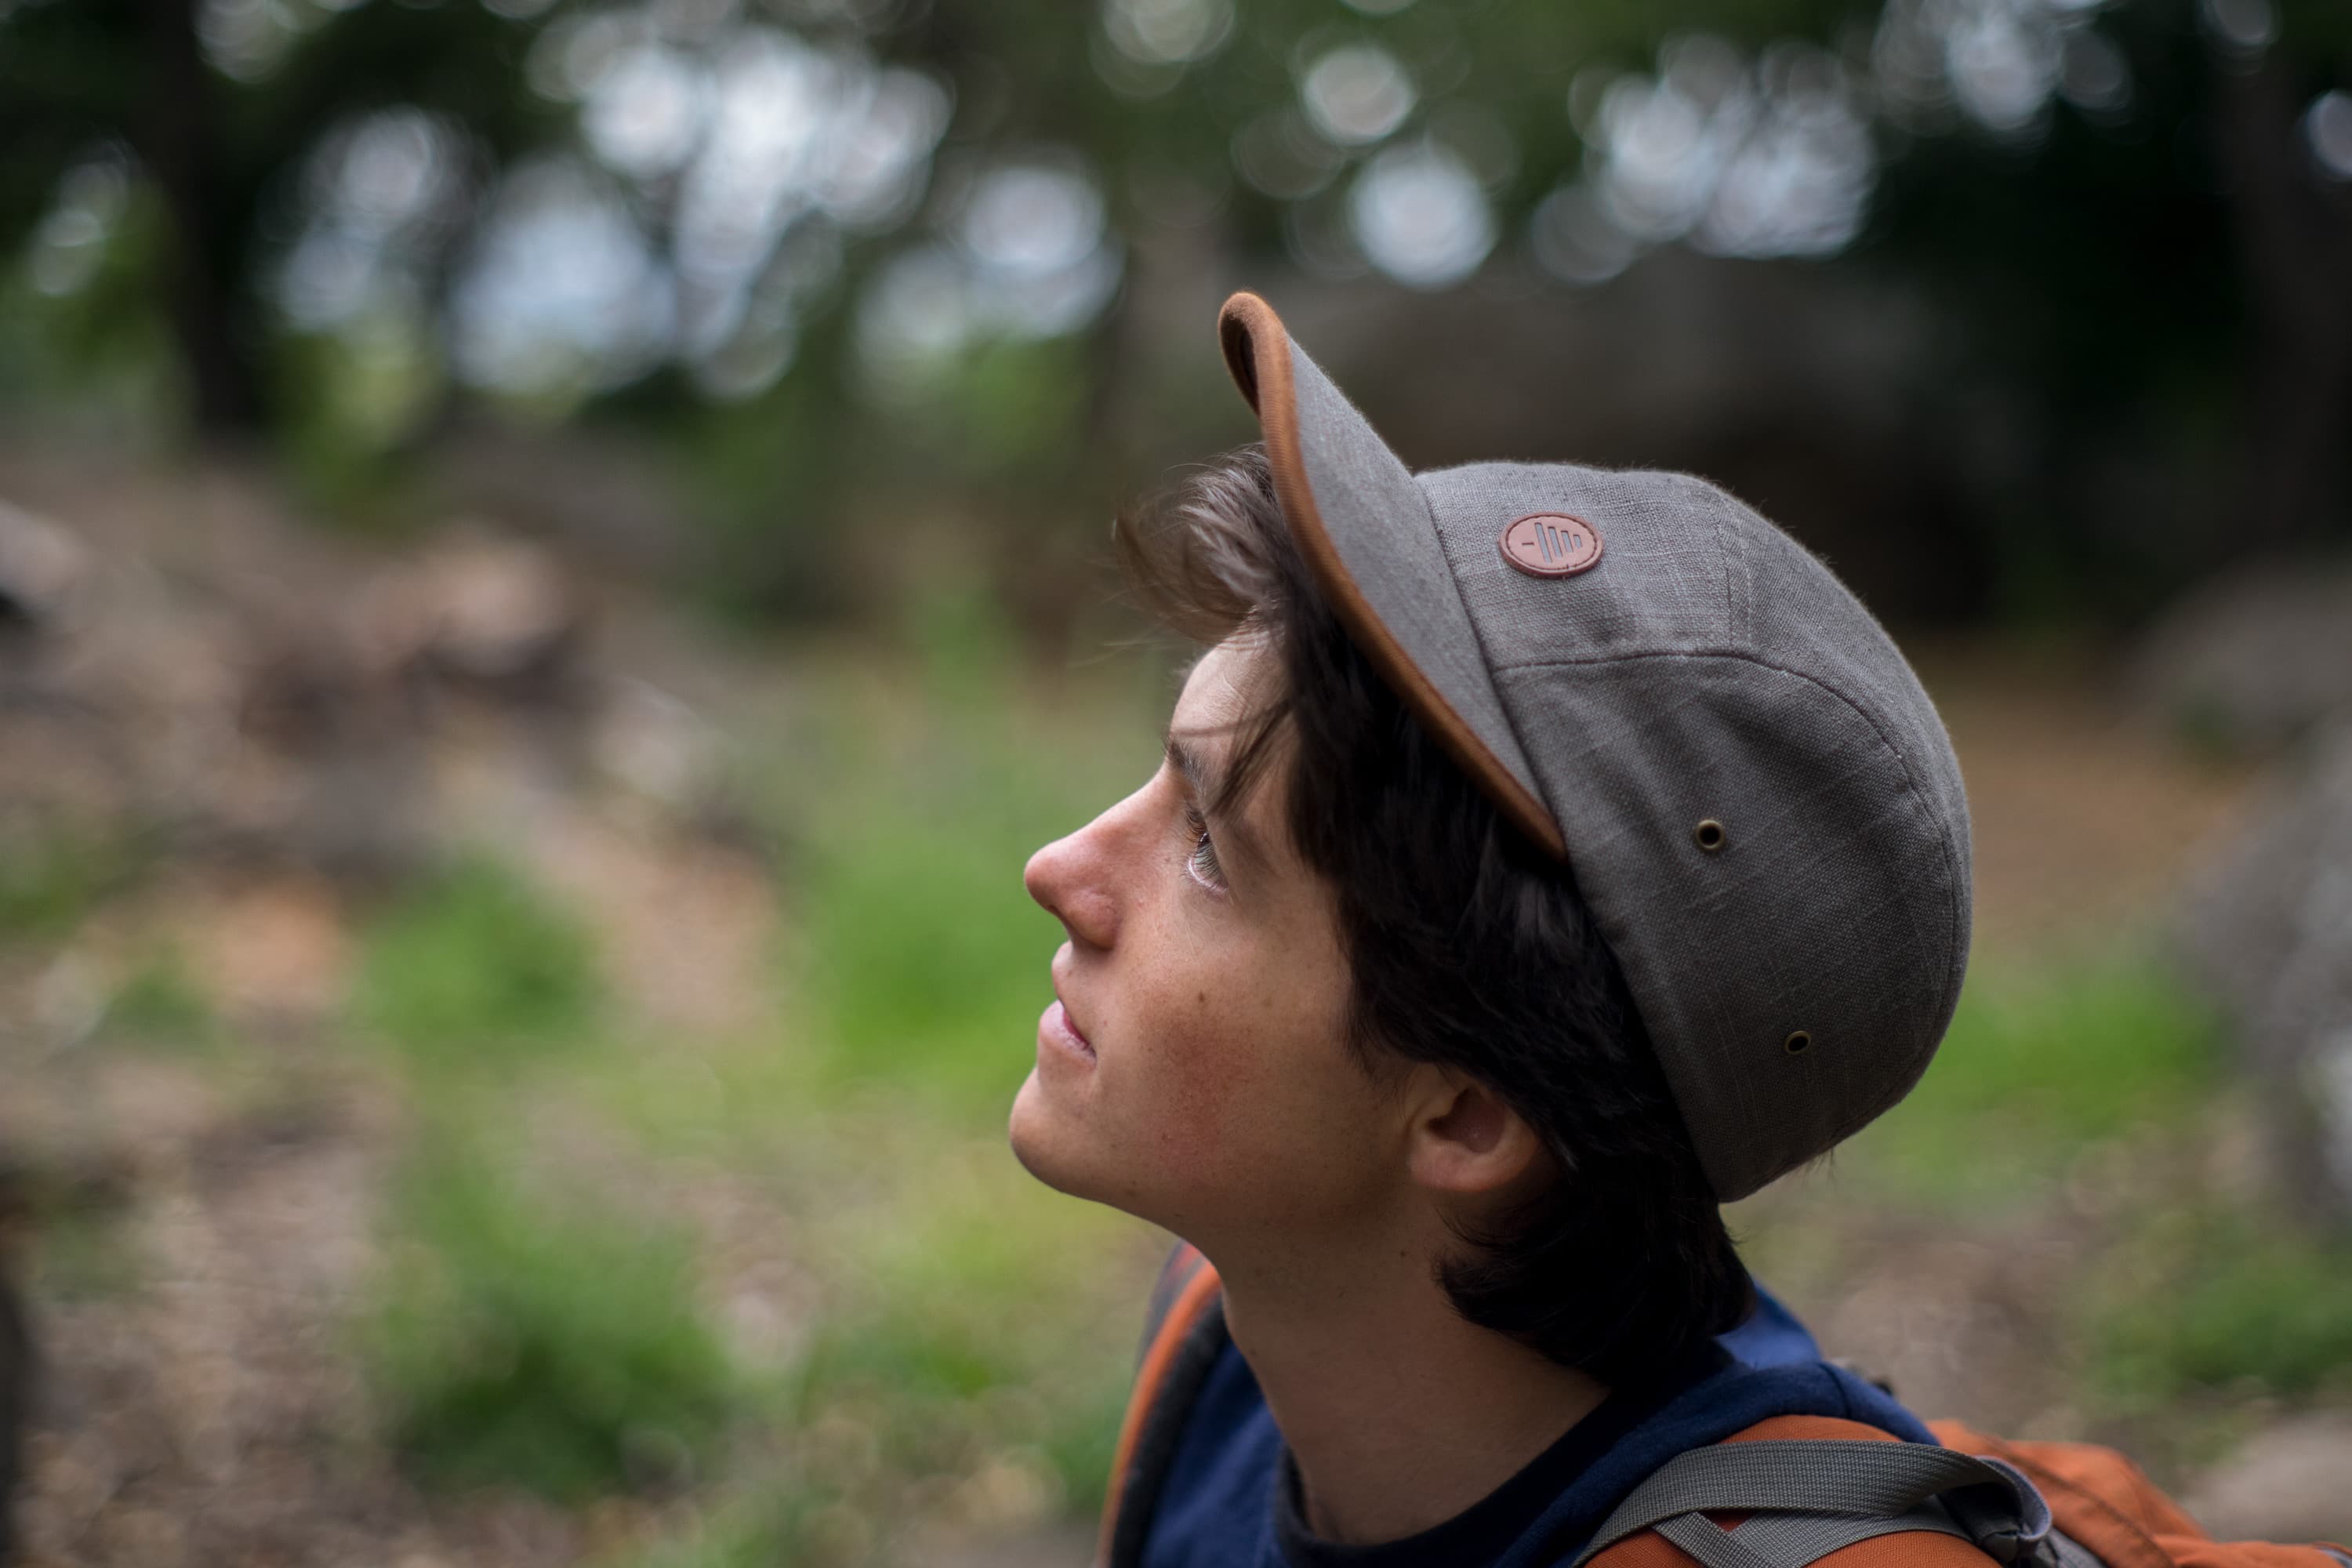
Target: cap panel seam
1486	653
1955	971
1726	547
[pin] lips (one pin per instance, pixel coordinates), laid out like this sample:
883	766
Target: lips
1065	1031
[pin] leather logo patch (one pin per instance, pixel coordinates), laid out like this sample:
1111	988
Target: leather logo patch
1551	544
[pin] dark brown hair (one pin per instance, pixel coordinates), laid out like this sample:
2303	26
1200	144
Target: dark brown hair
1468	947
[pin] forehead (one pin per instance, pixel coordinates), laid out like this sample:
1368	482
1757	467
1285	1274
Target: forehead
1222	688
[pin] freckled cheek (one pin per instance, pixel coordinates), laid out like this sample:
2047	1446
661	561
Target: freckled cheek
1213	1063
1232	1058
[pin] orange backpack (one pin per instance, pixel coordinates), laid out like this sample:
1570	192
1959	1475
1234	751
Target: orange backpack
1788	1493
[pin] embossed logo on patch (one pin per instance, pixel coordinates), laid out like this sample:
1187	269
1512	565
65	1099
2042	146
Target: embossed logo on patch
1551	544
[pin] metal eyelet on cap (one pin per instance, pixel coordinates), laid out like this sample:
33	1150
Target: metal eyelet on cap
1798	1042
1709	836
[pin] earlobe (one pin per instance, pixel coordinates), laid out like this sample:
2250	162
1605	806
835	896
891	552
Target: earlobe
1466	1140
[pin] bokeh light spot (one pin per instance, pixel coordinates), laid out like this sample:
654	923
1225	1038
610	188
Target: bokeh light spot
1357	94
2242	27
2327	126
1167	32
1420	217
644	116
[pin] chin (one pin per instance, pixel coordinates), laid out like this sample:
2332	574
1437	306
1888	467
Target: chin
1082	1159
1041	1141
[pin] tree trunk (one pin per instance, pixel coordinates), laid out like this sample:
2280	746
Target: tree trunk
2295	240
206	290
16	1404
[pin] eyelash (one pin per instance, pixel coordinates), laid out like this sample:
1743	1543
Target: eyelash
1202	864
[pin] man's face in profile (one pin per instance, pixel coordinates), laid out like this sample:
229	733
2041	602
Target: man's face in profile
1195	1068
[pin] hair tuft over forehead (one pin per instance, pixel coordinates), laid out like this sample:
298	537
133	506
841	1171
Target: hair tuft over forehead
1214	560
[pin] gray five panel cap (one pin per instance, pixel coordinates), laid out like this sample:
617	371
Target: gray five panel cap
1755	794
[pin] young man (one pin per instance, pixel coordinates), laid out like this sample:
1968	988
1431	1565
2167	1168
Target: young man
1543	856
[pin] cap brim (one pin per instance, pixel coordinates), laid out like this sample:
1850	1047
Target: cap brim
1365	528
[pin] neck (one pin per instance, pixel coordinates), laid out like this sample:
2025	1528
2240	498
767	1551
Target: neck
1399	1413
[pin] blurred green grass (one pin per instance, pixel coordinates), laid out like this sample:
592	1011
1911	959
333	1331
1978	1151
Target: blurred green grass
987	1316
159	1003
523	1343
473	962
786	1529
52	875
2216	1299
923	962
2042	1062
86	1254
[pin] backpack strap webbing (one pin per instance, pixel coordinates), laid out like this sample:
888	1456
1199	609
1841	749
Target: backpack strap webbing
1185	1332
1803	1498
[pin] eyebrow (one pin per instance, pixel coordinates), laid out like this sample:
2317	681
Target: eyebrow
1205	785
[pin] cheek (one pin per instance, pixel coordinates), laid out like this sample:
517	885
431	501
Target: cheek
1222	1044
1254	1096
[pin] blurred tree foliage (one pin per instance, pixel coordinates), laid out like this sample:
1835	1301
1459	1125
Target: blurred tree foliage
2160	291
2160	273
221	156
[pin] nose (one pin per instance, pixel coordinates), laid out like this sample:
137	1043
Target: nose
1075	880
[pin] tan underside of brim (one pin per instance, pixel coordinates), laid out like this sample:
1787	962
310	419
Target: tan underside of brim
1257	352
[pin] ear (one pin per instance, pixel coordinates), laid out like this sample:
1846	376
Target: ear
1464	1141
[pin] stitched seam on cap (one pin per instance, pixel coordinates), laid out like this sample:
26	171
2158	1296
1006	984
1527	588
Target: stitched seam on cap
1485	654
1943	840
1723	549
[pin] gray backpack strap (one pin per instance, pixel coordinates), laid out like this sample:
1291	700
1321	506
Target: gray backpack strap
1810	1537
2072	1553
1811	1498
1713	1545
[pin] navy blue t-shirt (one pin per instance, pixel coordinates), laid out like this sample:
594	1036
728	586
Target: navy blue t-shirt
1231	1496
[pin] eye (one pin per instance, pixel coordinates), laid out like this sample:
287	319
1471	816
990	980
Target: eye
1202	861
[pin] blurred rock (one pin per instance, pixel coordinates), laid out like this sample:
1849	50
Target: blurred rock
499	613
328	774
2256	658
208	676
2287	1484
43	568
609	497
683	926
2268	927
654	746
